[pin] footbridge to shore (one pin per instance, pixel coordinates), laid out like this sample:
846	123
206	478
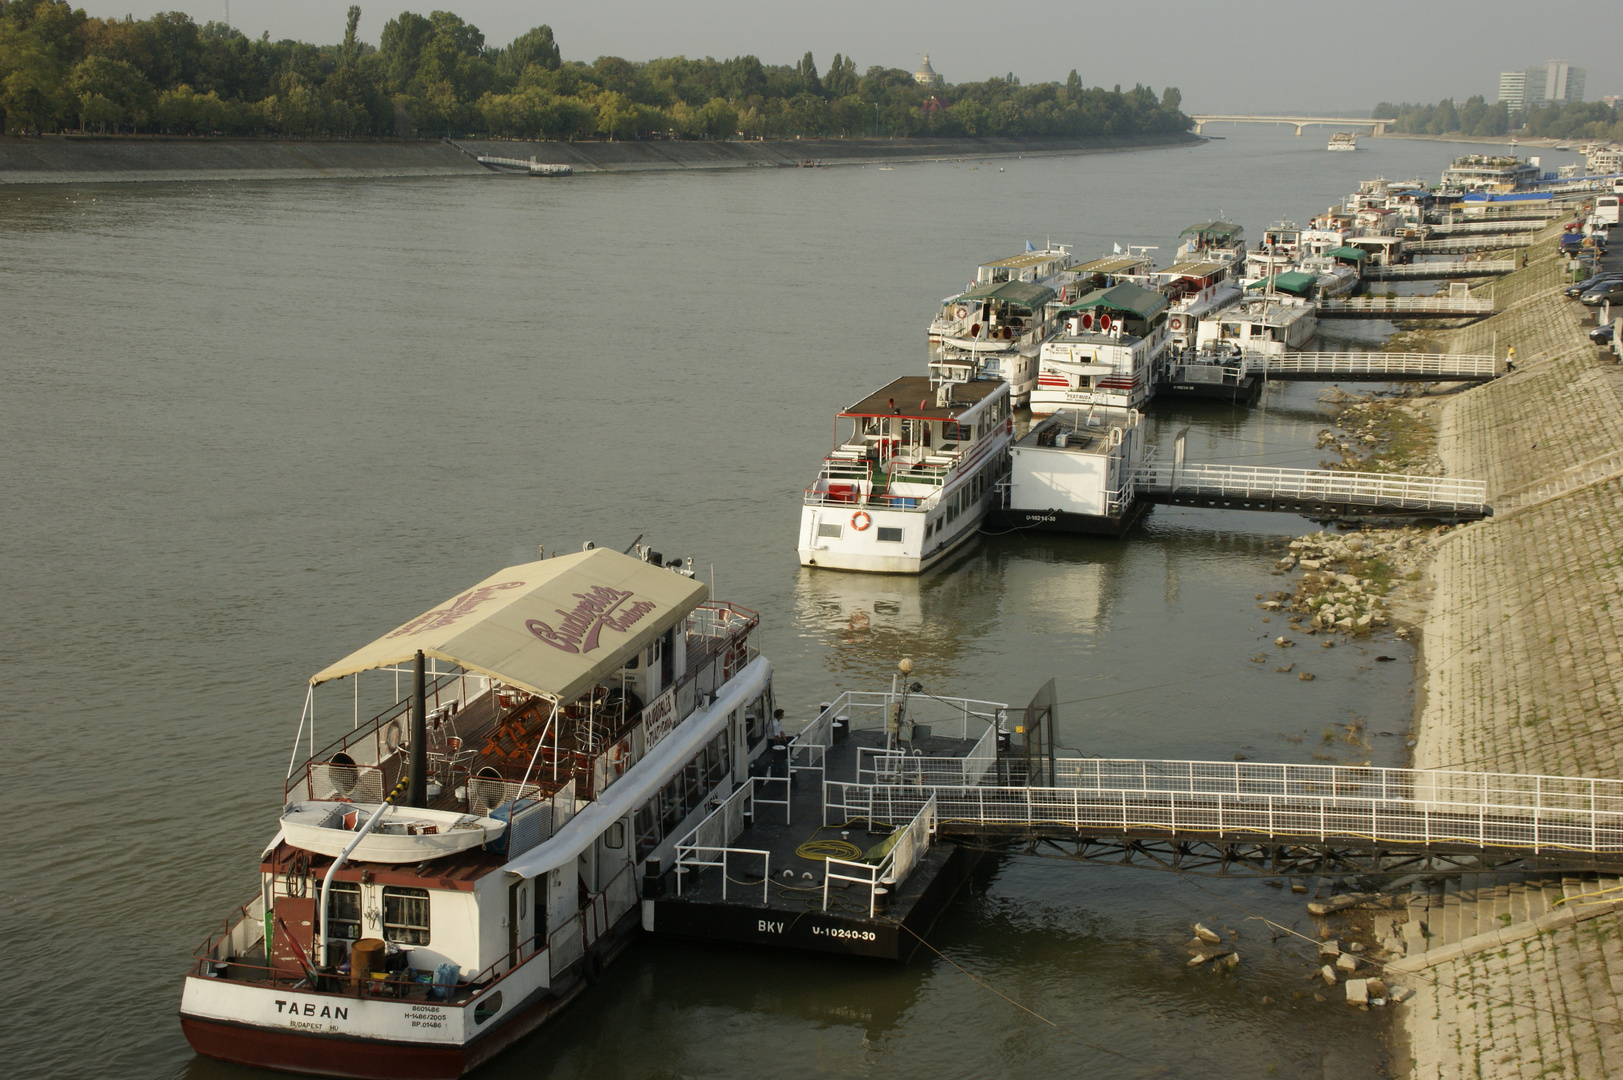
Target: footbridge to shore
1320	494
1376	128
1248	816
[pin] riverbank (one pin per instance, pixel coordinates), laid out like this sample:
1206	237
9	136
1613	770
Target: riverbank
87	159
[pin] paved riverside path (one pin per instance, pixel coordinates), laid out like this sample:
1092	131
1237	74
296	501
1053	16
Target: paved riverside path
1522	670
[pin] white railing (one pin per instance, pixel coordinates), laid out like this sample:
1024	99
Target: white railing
1318	802
1398	305
1471	228
906	849
1313	485
1451	244
953	718
879	766
808	750
1440	365
845	801
709	845
1439	269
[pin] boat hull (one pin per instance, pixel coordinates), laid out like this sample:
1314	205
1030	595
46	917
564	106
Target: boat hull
1065	521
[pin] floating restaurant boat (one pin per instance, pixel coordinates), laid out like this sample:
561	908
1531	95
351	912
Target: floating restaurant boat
1194	290
447	876
910	475
1106	354
1073	473
1000	321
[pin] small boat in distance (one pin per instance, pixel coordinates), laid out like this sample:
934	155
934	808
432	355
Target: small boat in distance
1343	140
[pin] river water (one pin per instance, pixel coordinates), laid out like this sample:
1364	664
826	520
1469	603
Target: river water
251	425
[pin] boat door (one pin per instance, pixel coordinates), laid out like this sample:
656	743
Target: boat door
520	920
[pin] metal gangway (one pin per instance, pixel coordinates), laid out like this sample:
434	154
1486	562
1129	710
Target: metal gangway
1244	809
1406	307
525	165
1452	268
1321	494
1377	366
1476	228
1460	245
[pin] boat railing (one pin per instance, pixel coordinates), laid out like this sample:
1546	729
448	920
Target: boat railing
378	739
953	718
709	845
878	765
606	907
905	848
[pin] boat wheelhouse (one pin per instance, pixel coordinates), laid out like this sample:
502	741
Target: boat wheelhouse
1074	472
1194	290
1216	241
910	474
1266	325
996	330
1106	353
446	876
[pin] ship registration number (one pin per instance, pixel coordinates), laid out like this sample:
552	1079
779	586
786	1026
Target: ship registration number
841	932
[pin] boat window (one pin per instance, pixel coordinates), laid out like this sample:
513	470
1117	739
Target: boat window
405	915
829	529
615	835
344	911
890	536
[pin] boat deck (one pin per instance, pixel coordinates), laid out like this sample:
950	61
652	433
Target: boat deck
785	905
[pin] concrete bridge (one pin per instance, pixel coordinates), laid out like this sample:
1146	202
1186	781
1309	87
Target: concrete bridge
1377	128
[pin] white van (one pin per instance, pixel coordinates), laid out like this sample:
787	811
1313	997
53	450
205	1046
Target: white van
1606	210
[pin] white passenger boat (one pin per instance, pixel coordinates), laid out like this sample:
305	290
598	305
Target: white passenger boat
910	475
1107	353
1194	290
448	875
1265	325
1214	241
996	330
1073	472
1343	140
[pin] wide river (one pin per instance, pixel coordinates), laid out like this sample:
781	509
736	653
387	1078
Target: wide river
250	426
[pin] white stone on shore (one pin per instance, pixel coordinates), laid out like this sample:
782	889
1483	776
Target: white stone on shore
1205	934
1347	962
1357	992
1328	974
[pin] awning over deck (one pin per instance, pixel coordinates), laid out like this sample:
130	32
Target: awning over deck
1356	254
1217	231
1292	281
1011	292
553	627
1126	297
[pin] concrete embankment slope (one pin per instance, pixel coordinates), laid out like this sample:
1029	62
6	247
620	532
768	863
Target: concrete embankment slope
77	160
1522	671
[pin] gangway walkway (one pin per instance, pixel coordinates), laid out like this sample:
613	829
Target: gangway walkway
1314	493
1476	228
1406	307
1450	268
1554	821
1460	245
1377	366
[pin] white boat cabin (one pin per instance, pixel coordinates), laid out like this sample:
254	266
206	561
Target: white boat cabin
1194	289
909	476
1267	325
1106	352
1073	472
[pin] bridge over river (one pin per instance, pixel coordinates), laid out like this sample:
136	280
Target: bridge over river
1376	128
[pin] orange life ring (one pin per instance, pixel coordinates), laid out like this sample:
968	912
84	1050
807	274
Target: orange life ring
860	521
960	311
1177	323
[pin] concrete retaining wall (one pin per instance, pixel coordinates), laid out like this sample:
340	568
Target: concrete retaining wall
87	159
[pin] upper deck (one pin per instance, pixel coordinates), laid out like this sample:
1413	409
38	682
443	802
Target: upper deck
1029	266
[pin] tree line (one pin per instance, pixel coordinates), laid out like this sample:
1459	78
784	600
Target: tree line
61	69
1573	120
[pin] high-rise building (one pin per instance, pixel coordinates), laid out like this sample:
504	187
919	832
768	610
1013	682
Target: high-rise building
1513	89
1555	81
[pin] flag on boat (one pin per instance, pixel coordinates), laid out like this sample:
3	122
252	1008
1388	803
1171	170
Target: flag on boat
1030	246
1117	247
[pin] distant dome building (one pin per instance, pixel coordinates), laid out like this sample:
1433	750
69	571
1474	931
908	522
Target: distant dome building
926	76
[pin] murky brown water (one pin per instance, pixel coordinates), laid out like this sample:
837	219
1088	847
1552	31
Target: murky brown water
247	426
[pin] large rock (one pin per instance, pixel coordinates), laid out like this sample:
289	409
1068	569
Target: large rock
1205	934
1357	992
1328	974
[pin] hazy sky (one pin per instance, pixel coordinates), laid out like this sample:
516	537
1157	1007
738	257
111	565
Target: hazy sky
1237	55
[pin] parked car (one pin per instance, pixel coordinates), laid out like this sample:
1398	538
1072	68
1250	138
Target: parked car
1578	288
1601	335
1606	290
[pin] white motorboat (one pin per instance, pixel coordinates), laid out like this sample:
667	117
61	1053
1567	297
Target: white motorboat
569	721
910	474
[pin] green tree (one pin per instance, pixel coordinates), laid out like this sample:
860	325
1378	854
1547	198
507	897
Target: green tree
806	75
535	46
111	92
32	80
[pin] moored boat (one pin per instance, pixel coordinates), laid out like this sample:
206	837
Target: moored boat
1000	320
1268	325
1343	140
910	474
1074	472
1106	354
577	715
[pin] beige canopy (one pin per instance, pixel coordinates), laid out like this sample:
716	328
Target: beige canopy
554	627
